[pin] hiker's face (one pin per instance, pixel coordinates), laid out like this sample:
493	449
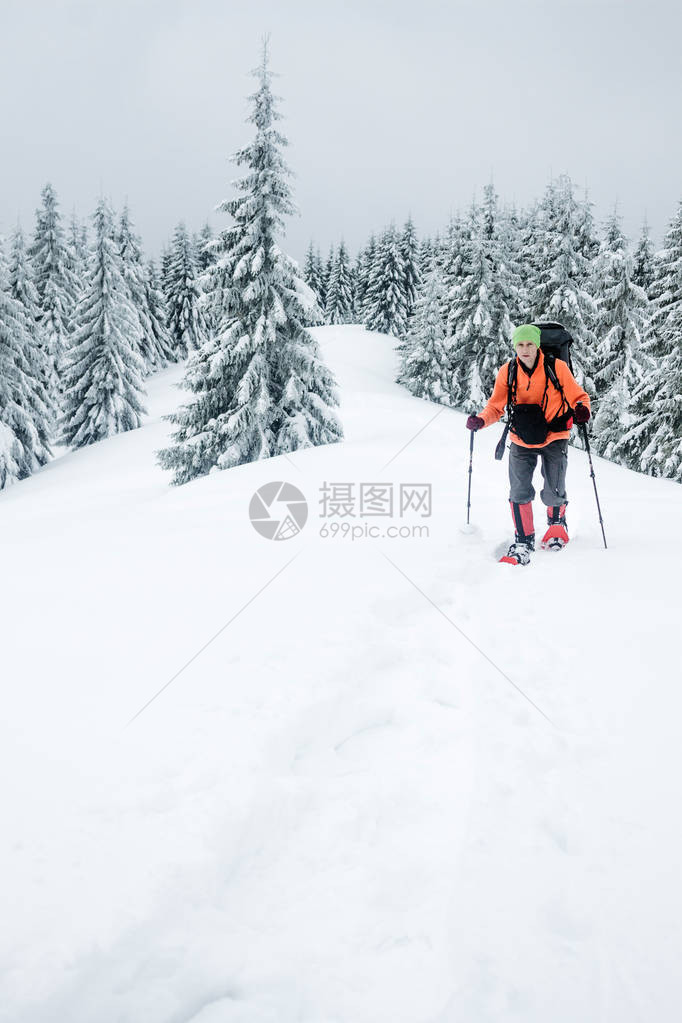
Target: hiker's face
526	352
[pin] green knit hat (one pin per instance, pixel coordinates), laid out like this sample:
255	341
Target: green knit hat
526	332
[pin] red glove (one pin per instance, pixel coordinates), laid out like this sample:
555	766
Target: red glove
581	413
476	423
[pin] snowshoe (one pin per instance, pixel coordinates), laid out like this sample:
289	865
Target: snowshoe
556	537
518	554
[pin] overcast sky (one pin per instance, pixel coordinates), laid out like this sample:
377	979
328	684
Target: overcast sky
390	107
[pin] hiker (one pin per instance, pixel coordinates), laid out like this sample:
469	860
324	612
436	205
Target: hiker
544	400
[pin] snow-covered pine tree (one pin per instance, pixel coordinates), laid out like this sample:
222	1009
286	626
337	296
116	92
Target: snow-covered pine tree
103	373
203	246
157	313
327	272
562	291
353	312
424	364
480	324
429	251
340	289
77	248
450	258
539	249
22	288
385	299
322	299
643	270
164	272
469	317
55	282
409	250
622	313
135	277
310	269
653	443
314	278
261	385
588	241
505	287
18	274
24	405
363	273
513	226
531	252
186	321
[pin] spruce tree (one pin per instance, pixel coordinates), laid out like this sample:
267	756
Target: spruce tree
319	268
562	291
55	281
586	232
261	386
327	272
480	323
622	313
103	373
450	258
22	288
310	269
428	255
157	314
24	404
313	276
654	441
643	270
424	368
77	249
203	246
385	299
340	289
409	250
531	253
135	277
515	232
186	321
164	273
363	272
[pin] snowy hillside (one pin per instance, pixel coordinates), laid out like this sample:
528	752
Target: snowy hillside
391	781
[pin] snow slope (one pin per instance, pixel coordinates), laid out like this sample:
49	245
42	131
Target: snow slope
391	781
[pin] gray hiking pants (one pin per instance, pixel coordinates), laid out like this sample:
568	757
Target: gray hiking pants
522	462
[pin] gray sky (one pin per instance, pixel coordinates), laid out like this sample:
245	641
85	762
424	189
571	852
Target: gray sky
390	107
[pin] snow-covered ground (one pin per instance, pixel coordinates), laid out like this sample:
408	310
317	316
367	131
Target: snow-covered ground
392	781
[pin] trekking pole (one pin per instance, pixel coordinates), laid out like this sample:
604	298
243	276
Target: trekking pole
471	459
594	482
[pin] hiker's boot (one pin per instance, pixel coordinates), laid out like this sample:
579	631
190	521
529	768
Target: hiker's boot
556	536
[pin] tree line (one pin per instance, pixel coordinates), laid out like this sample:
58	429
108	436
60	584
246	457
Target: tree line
453	300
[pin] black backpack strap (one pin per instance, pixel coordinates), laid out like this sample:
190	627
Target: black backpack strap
550	369
511	384
511	388
559	421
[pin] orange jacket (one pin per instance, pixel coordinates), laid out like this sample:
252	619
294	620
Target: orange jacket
530	388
